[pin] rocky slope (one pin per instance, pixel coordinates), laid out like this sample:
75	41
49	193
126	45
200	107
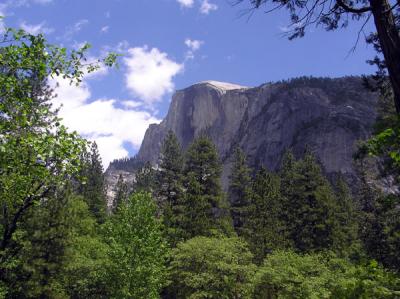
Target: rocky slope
327	115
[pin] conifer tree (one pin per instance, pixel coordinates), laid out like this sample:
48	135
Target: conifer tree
145	179
169	189
311	206
264	228
379	227
43	242
371	225
287	174
205	208
346	232
93	189
239	190
121	192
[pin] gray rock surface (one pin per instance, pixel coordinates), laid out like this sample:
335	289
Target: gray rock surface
327	115
111	178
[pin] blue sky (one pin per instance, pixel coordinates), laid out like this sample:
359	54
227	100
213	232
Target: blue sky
169	45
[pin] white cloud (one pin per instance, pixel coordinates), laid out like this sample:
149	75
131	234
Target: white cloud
100	120
131	104
193	46
104	29
206	7
149	73
71	30
186	3
35	29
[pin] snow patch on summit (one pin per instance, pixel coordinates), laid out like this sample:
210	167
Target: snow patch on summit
223	86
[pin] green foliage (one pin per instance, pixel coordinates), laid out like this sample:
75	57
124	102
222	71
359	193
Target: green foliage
121	193
145	179
38	160
239	190
205	208
93	186
265	230
386	143
310	205
40	254
380	225
286	274
346	230
390	218
86	254
59	253
137	250
38	155
170	193
211	268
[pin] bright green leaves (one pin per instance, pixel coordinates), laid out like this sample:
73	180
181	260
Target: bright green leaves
387	143
38	155
137	250
286	274
211	268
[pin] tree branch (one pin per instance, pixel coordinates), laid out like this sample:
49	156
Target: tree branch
13	225
347	8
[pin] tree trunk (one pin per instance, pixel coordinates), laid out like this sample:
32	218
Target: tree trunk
389	39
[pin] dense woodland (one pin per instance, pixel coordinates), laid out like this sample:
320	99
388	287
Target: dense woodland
175	233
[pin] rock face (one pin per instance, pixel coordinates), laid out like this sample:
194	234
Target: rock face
111	178
326	115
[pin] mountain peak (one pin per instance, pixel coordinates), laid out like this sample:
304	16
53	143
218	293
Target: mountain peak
223	85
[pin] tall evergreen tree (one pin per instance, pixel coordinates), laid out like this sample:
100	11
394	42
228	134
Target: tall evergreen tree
205	207
145	179
380	225
169	189
264	228
287	174
311	206
44	239
93	189
121	192
346	232
239	190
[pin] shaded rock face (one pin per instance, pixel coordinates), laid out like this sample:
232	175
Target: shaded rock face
111	179
326	115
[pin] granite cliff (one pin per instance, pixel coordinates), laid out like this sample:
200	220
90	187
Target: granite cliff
327	115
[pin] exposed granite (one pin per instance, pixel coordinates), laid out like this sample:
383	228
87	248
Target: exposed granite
326	115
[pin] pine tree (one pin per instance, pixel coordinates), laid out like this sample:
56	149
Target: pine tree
346	232
372	227
169	190
379	223
43	238
287	174
145	179
205	208
310	206
239	190
93	189
264	229
121	192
